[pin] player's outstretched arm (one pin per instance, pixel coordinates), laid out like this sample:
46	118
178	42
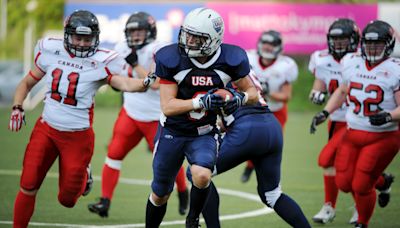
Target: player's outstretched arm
337	99
23	88
246	85
126	84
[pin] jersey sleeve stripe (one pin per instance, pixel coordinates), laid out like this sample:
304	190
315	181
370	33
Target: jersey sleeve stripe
33	76
111	57
36	58
165	81
109	75
130	72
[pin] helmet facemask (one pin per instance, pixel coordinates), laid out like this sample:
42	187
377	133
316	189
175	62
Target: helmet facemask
340	45
140	30
136	38
374	50
195	44
81	51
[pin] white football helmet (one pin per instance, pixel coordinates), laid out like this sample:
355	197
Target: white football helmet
205	24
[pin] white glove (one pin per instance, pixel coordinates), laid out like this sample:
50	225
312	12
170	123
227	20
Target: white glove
149	80
17	118
317	97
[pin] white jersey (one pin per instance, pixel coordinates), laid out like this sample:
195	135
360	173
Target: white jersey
370	91
327	69
72	83
142	106
283	70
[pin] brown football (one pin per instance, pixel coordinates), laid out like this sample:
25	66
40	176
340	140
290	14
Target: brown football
225	94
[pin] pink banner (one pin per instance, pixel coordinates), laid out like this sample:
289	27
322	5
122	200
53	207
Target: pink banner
303	26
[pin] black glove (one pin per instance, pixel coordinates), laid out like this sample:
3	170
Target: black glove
318	119
380	118
132	58
265	88
211	101
239	99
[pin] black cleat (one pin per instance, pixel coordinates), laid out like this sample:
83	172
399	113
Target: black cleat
101	208
246	174
183	201
384	195
89	181
359	225
192	223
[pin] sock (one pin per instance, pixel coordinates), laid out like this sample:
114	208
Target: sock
250	165
109	180
380	182
331	190
154	214
23	209
181	180
198	198
210	211
290	211
365	206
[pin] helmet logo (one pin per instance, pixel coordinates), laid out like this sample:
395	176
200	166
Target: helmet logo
217	24
371	36
267	38
151	20
83	30
132	25
336	31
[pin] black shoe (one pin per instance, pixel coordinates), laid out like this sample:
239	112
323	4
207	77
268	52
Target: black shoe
183	201
384	195
192	223
89	181
359	225
246	174
101	208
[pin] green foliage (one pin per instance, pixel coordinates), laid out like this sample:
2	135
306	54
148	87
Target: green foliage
48	15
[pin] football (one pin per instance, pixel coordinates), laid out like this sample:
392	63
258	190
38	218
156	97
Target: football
225	94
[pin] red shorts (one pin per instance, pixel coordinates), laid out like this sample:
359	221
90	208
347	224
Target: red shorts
327	155
74	149
282	115
128	133
362	157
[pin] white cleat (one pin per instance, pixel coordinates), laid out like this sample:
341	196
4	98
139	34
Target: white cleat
354	218
325	215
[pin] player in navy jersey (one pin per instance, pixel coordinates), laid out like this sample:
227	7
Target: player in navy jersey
187	70
253	133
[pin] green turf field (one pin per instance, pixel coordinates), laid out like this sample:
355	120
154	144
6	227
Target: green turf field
301	179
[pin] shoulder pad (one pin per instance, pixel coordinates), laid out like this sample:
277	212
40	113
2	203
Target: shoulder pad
233	55
104	55
169	56
49	43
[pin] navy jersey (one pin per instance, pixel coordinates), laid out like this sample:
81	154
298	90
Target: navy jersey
229	63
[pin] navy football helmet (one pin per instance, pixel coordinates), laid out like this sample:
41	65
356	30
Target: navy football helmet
273	38
346	29
81	22
140	20
377	33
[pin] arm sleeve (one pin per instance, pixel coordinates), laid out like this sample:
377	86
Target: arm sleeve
243	68
40	56
312	64
116	66
163	72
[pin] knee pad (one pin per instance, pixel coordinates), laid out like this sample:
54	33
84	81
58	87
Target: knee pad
67	200
272	196
114	164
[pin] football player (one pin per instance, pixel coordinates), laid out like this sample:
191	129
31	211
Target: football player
371	83
276	73
140	113
343	37
190	72
74	68
253	133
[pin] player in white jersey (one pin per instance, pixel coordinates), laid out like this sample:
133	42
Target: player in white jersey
140	113
74	68
276	73
372	85
343	37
